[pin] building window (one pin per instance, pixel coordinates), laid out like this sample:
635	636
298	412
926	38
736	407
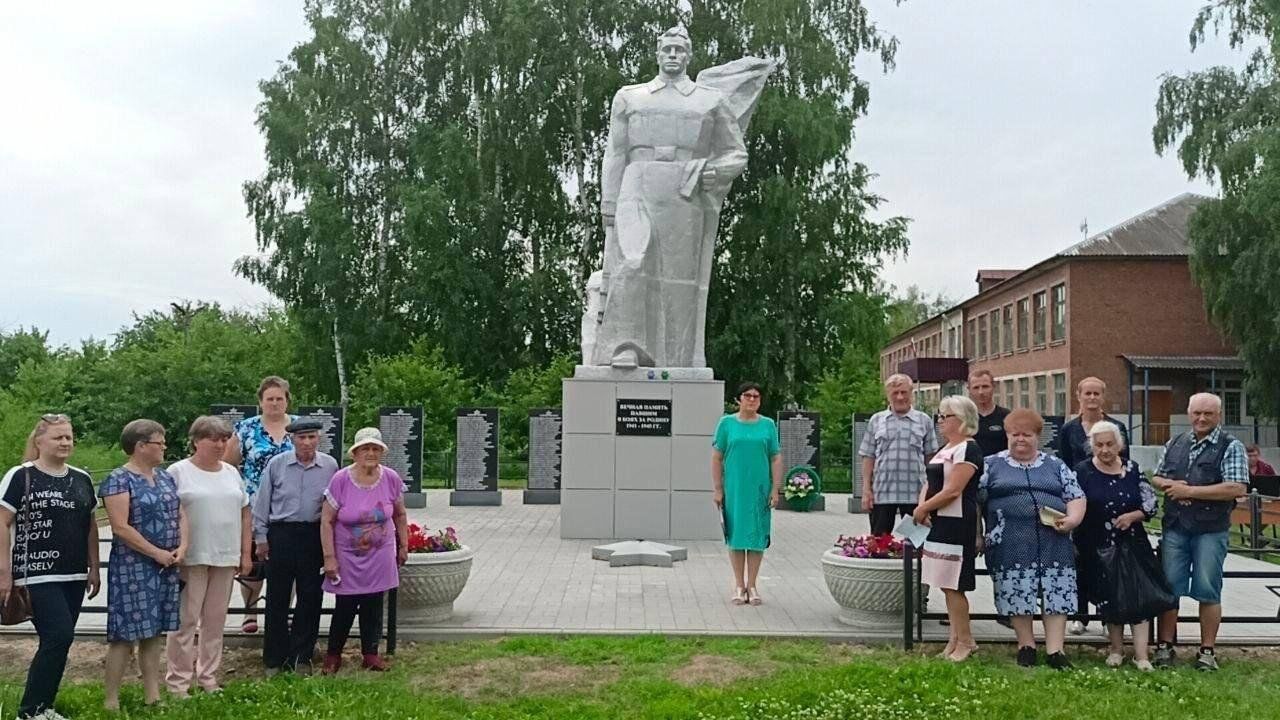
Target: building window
1042	312
1024	392
1008	393
994	319
1232	401
982	336
971	340
1042	395
1059	312
1059	394
951	343
1024	322
1007	335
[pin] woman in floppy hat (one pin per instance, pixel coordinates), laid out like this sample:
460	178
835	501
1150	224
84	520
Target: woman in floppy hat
365	538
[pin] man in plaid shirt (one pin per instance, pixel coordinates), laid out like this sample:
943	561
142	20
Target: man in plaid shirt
1202	473
893	453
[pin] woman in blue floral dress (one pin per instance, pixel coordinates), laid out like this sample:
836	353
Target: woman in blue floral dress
1032	564
257	440
149	540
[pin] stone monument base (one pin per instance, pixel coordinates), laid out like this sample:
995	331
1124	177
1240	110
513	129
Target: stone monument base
475	497
640	374
627	487
541	497
415	500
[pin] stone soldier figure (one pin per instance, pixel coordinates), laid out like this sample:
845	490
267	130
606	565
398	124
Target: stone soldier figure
674	149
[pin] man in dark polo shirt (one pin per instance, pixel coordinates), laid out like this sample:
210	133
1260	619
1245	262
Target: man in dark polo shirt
982	389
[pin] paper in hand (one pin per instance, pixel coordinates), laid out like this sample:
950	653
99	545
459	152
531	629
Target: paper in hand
907	529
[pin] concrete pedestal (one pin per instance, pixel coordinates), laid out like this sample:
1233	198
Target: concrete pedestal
541	497
474	497
636	487
415	500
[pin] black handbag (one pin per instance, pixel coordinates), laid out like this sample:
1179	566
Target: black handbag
1133	582
17	606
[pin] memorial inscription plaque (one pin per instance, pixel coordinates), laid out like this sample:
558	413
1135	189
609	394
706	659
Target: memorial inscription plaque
645	416
476	470
233	413
402	432
546	436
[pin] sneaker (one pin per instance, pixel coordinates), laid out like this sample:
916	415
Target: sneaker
1115	660
1206	661
1026	656
303	669
1143	665
1164	656
51	714
332	664
271	672
1076	627
1058	661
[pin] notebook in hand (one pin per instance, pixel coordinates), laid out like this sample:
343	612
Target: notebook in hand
1048	516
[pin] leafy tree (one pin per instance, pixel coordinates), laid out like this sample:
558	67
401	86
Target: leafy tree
419	376
797	252
1225	126
528	388
18	347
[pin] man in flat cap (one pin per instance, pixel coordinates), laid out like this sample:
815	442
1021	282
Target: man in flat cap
286	528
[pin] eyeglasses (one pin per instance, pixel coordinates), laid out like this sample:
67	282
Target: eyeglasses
161	443
750	396
55	418
944	416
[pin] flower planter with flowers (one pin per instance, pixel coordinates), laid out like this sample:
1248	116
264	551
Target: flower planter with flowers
802	490
433	576
864	576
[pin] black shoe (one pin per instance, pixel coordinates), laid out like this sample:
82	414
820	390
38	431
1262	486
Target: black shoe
1058	661
1027	656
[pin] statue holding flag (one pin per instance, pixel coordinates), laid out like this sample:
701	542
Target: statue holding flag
675	147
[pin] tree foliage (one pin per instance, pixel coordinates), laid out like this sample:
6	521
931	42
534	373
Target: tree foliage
1225	125
434	172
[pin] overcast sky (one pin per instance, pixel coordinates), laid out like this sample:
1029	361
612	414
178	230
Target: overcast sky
127	131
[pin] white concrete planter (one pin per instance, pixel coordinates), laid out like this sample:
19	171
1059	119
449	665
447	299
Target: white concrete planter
429	583
868	590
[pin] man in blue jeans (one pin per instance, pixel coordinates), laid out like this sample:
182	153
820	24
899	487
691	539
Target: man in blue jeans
1202	473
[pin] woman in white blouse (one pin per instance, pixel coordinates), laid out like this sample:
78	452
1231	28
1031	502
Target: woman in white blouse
218	515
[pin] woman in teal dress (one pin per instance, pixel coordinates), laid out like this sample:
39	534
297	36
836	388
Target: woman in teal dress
746	469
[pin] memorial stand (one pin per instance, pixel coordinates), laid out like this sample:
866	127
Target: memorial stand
800	440
402	432
476	470
546	440
637	455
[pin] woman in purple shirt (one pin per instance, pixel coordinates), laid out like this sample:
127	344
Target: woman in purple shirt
365	538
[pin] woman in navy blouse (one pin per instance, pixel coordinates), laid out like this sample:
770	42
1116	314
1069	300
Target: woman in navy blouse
1119	500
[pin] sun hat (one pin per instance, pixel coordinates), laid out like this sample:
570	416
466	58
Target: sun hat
366	436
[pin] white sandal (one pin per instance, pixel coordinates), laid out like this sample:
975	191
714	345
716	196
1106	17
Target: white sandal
739	596
753	596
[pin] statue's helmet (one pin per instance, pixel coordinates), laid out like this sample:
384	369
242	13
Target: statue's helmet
676	34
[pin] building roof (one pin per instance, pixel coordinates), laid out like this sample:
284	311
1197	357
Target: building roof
1162	230
1158	232
1184	362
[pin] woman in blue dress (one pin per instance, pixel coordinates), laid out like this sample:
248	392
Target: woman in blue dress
149	540
257	440
1119	500
1032	564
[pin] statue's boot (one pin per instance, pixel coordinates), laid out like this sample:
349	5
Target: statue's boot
625	359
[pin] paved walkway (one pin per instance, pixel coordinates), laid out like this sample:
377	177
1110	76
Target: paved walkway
525	579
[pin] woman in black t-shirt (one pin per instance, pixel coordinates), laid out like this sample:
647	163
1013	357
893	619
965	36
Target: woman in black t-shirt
48	506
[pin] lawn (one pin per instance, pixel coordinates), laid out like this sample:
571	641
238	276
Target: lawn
658	677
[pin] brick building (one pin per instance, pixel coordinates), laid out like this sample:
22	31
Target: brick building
1120	305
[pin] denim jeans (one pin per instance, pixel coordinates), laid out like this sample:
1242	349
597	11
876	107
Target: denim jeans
1193	563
